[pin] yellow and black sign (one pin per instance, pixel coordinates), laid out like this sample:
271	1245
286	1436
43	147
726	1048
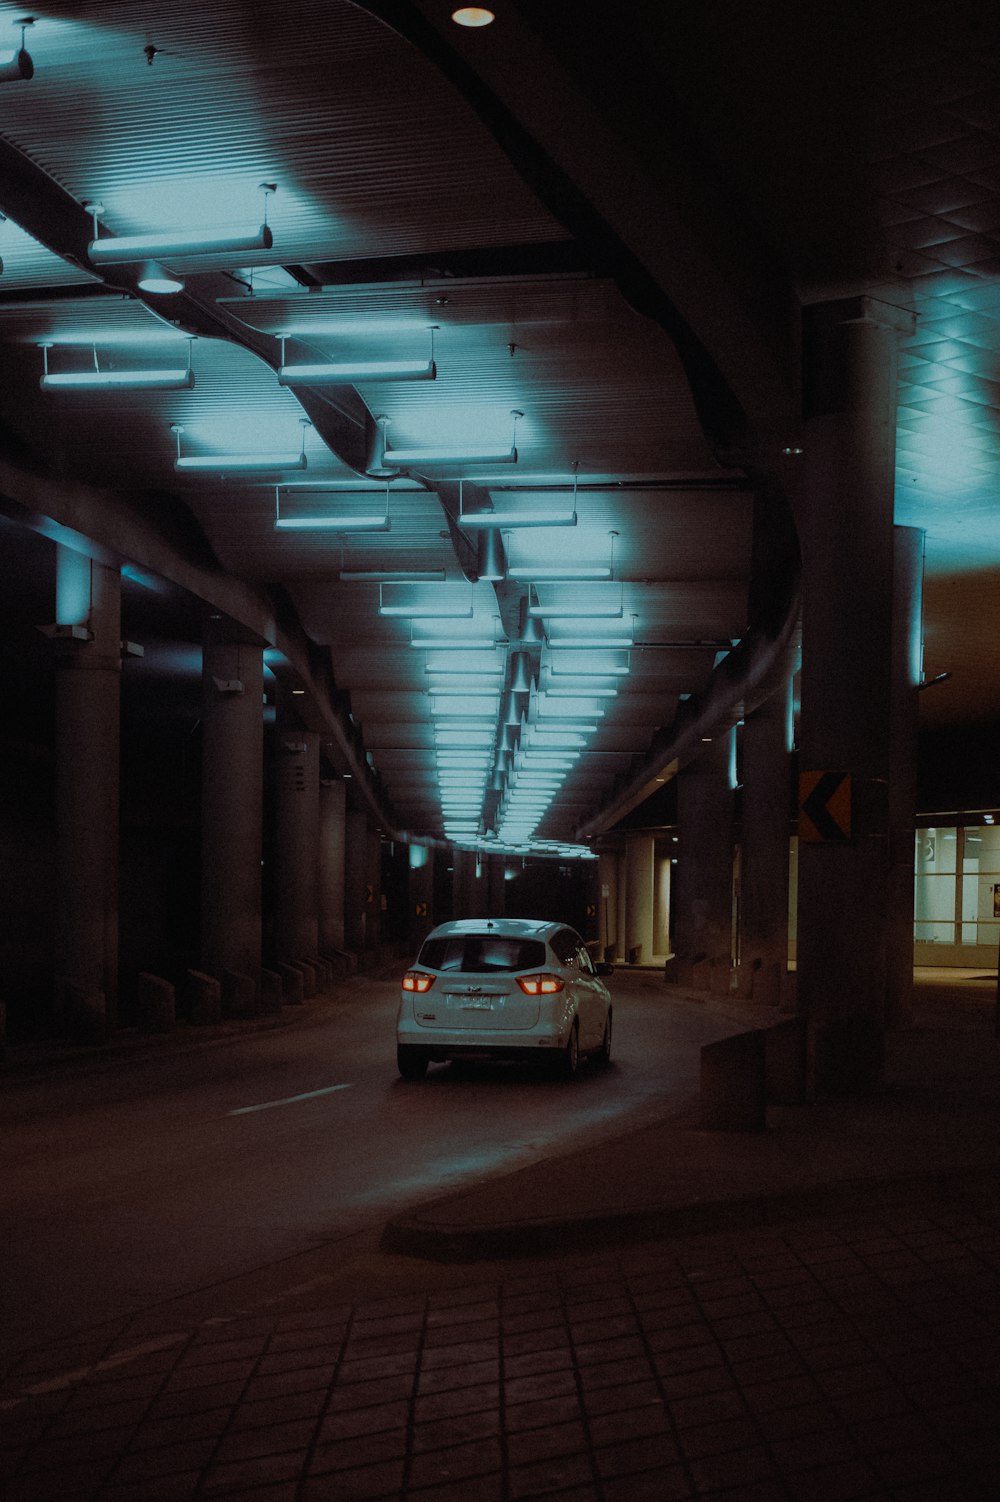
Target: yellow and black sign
825	808
591	909
370	892
421	910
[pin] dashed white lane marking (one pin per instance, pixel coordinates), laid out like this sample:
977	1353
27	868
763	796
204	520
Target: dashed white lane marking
288	1100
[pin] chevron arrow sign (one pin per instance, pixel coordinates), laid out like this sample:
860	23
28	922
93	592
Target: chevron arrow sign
825	807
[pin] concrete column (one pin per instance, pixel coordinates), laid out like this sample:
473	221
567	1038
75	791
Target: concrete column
421	894
468	885
765	845
232	794
356	904
607	903
661	903
639	898
296	875
907	669
87	715
703	876
332	849
373	890
846	531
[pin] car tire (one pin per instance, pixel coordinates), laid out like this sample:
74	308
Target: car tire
411	1062
568	1063
602	1058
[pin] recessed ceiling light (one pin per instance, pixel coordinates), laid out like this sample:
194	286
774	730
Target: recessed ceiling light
472	15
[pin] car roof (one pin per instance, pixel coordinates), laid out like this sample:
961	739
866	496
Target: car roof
505	928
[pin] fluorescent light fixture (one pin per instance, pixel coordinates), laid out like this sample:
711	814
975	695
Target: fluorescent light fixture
467	454
464	454
117	250
455	643
576	643
459	738
331	521
355	372
592	688
460	669
391	575
588	606
543	573
164	379
587	666
541	514
238	463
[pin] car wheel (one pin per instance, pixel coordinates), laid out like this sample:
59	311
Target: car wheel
411	1062
569	1059
602	1057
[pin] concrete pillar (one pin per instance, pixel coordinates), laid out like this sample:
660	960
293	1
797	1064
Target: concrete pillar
356	904
907	668
765	845
296	855
846	531
703	876
496	885
232	794
87	714
661	903
607	903
421	894
332	848
373	890
468	885
639	898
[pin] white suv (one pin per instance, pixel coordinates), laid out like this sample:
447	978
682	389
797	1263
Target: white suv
503	988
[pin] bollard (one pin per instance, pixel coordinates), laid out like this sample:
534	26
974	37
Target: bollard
308	976
785	1062
733	1096
291	984
271	994
203	996
157	1004
239	994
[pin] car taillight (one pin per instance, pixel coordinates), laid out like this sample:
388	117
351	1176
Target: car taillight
540	985
416	980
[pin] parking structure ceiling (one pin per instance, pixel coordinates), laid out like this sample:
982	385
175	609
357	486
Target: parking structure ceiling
520	215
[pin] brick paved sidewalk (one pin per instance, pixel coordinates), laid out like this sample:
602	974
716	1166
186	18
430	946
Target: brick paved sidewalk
856	1357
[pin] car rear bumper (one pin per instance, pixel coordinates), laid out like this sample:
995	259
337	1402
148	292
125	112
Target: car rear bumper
454	1043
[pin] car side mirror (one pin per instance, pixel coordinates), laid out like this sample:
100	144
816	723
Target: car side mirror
603	968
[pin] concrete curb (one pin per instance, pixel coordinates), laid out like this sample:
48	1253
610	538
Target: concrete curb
410	1235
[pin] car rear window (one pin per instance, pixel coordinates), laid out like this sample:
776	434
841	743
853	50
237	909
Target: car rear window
479	953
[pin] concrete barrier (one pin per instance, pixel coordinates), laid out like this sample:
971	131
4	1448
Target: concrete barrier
239	994
157	1004
733	1083
271	992
83	1014
203	998
785	1062
291	984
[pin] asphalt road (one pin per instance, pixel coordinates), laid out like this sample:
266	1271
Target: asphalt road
130	1185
